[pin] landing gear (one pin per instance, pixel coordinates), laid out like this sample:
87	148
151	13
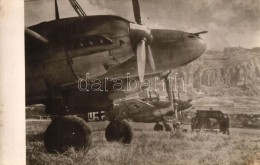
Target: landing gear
176	125
158	127
119	131
67	131
167	127
225	131
173	106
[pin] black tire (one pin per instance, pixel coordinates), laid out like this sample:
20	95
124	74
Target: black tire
127	132
158	127
112	132
66	132
120	131
167	127
225	131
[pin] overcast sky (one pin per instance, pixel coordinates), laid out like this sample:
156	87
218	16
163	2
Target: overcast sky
229	22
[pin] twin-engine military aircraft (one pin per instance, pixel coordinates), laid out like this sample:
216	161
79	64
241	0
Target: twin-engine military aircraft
150	108
104	51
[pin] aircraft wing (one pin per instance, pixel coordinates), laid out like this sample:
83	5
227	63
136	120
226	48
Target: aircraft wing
133	106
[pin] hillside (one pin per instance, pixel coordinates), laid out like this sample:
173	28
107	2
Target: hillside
228	72
227	79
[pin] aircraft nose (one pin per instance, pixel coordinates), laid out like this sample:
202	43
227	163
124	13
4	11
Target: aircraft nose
201	46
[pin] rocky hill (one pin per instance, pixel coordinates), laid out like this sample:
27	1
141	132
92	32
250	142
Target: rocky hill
228	72
227	80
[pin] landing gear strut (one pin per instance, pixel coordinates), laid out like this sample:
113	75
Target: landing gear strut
67	131
170	92
119	131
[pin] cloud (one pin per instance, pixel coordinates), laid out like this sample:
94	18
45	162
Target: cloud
232	23
43	10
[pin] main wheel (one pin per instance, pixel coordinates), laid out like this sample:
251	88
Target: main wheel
65	132
167	127
158	127
119	131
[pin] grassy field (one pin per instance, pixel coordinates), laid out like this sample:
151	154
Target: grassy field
242	147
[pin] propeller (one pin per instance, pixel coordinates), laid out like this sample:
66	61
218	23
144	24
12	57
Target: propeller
150	57
57	16
143	51
141	59
137	12
36	36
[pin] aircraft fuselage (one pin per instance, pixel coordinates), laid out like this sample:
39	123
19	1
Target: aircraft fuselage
99	47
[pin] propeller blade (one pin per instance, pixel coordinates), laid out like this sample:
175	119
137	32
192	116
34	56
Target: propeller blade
36	36
57	16
141	57
150	57
137	12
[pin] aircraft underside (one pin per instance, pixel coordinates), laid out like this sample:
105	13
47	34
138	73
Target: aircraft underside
71	109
